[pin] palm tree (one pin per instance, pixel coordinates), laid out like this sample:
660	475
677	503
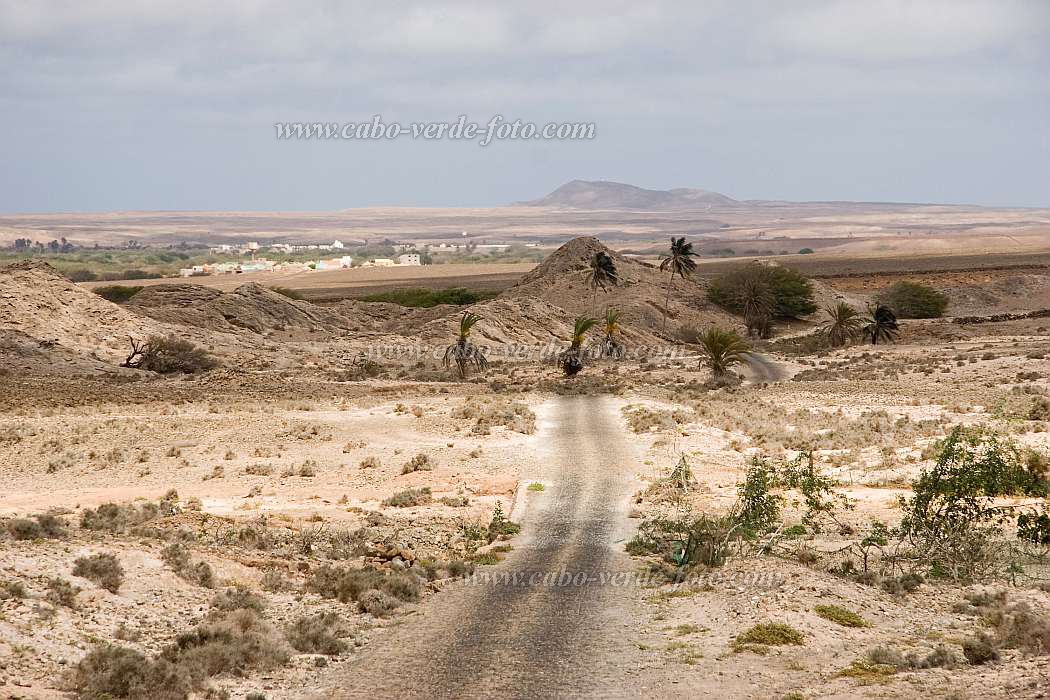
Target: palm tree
722	349
679	262
610	344
882	325
757	303
463	352
601	270
571	359
843	324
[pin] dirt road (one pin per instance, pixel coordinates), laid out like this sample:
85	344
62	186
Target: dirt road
532	641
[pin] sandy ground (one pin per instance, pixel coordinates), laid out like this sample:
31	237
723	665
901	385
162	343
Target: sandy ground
284	468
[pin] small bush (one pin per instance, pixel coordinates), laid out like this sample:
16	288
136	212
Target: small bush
348	584
238	598
770	634
61	592
455	501
378	603
169	355
177	556
43	526
102	569
317	634
421	462
980	650
841	616
118	672
409	498
12	590
913	300
238	642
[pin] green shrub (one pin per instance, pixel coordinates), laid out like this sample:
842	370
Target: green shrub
769	634
425	298
286	292
914	300
102	569
951	520
841	616
118	294
790	290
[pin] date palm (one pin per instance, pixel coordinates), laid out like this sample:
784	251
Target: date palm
463	352
679	262
571	359
722	349
601	271
843	325
757	302
610	345
882	324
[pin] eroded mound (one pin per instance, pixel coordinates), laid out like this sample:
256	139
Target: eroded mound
42	304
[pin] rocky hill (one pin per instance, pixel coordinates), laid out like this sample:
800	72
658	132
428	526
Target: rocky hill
602	194
42	305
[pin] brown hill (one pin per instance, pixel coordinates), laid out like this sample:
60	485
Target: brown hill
602	194
41	304
641	294
251	307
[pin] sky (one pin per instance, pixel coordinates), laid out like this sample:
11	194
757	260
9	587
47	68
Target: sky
171	105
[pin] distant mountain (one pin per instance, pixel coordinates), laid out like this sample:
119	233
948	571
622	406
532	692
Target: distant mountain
602	194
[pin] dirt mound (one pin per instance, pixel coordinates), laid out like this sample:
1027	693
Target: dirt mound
641	293
251	307
43	305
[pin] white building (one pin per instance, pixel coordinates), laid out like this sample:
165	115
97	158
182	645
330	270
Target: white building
409	259
337	245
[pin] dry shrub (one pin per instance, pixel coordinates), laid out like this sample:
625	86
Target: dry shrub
488	413
111	517
118	672
238	598
235	643
345	584
169	355
378	603
419	463
61	592
102	569
177	556
409	498
44	526
642	419
318	634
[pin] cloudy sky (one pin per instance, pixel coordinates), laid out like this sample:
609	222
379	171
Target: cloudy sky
116	105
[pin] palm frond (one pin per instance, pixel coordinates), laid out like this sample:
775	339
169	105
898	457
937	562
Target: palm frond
842	325
721	349
882	324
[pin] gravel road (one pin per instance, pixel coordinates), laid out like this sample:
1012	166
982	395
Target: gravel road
531	641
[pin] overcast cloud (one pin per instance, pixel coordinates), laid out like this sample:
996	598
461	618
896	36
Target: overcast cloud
171	105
